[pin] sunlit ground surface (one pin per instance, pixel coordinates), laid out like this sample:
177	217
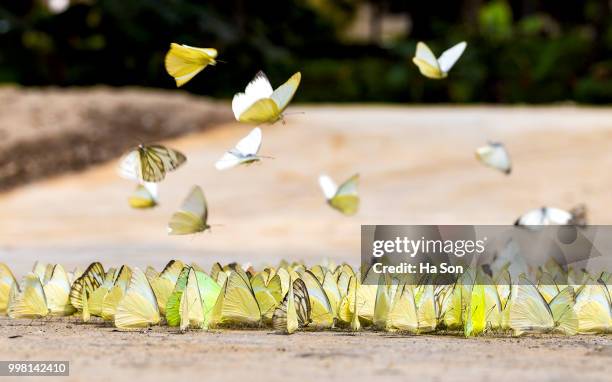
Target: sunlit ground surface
417	166
100	353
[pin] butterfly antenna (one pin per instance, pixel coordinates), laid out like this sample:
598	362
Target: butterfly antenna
294	113
266	157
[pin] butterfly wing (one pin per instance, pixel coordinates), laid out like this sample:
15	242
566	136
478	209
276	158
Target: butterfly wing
7	280
562	308
57	292
30	302
494	155
183	62
192	216
529	311
284	93
138	308
259	88
450	56
250	144
328	186
346	199
144	196
426	61
156	160
129	166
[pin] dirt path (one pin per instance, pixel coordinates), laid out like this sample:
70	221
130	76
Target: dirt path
101	354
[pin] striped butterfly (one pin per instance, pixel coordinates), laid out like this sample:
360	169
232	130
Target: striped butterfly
92	279
294	312
150	163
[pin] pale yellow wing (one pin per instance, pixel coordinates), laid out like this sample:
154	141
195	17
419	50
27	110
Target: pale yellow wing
138	308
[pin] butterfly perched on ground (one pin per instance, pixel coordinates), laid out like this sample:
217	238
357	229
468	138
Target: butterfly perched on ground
437	68
245	151
192	217
138	307
150	163
260	104
294	312
7	280
183	62
530	312
495	155
344	198
145	195
28	299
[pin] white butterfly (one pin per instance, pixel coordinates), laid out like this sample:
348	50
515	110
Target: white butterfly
437	68
260	104
496	156
545	216
245	151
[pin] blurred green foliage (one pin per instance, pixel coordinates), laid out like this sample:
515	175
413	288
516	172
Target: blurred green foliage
518	51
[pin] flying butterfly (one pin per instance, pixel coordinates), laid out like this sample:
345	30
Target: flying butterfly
245	151
294	312
545	216
344	198
495	155
183	62
192	217
437	68
260	104
150	163
144	196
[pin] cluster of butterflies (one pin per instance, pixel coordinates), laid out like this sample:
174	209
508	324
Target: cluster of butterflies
147	165
292	297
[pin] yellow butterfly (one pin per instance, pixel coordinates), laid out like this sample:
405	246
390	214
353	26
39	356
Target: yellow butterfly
437	68
115	294
138	308
268	293
344	198
145	196
163	285
594	309
236	304
28	301
7	280
529	311
57	292
403	314
183	62
150	163
260	104
294	312
192	216
321	312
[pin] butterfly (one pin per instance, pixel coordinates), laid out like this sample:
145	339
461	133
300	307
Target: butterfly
529	311
192	217
144	196
150	163
268	293
594	309
321	311
260	104
437	68
183	62
138	307
90	280
163	284
245	151
344	198
57	292
114	296
545	216
294	312
496	156
237	304
7	280
28	300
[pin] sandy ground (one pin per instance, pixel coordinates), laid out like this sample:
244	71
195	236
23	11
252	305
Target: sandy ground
98	353
417	167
